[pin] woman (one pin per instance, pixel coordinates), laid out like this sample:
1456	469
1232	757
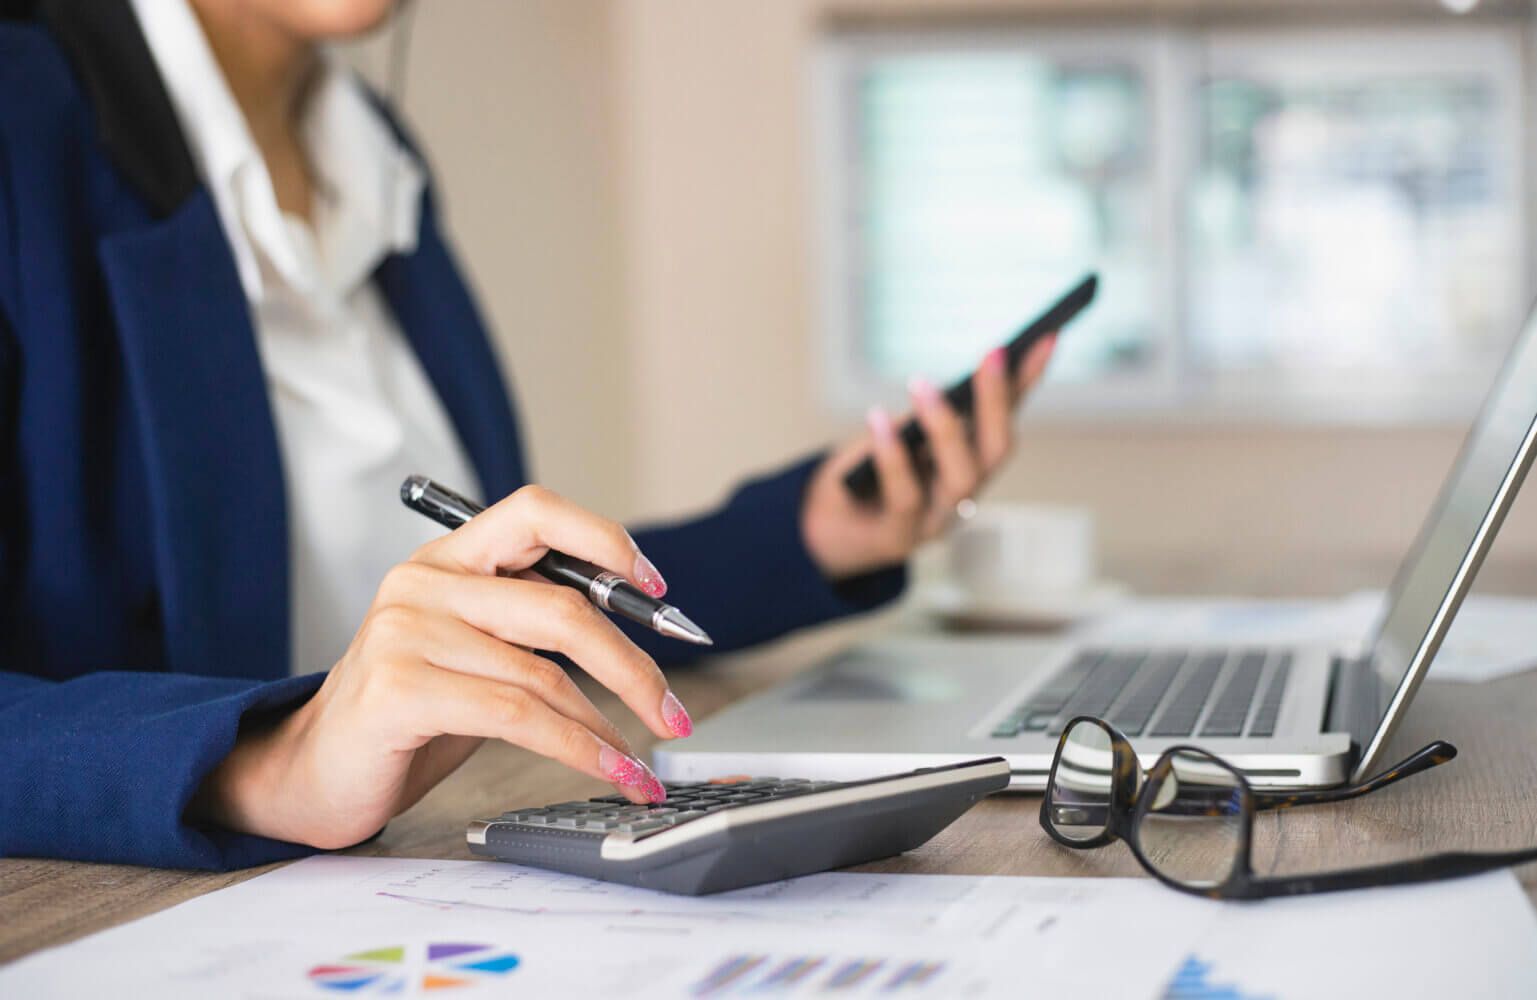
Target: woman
229	325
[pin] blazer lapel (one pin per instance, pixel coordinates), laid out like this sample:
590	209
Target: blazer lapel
440	321
211	446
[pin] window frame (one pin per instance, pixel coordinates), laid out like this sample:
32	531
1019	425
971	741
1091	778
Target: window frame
1176	59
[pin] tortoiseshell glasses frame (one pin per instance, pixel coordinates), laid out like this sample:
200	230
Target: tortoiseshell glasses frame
1188	783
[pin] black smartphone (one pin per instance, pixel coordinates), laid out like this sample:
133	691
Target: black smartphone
862	480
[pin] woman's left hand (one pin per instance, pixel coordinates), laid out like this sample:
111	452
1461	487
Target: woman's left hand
846	537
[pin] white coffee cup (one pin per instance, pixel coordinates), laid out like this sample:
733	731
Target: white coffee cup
1009	552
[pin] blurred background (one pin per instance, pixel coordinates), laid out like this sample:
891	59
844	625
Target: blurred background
735	224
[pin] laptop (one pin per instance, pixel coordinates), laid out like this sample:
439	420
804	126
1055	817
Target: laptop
1289	717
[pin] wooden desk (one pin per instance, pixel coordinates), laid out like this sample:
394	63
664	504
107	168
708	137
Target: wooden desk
1485	800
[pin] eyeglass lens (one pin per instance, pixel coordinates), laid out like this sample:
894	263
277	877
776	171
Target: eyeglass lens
1192	832
1081	786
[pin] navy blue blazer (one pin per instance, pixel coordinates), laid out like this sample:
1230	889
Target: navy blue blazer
143	542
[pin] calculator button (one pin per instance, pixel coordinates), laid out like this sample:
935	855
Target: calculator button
601	824
642	826
569	822
684	817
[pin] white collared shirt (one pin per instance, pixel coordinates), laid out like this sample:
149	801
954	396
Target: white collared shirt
355	412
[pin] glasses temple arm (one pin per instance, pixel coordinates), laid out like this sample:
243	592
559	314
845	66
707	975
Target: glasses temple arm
1429	756
1437	866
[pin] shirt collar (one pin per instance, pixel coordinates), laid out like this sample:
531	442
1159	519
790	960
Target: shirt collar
371	186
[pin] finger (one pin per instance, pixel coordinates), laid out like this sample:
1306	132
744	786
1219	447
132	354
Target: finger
848	455
454	645
1034	367
901	493
955	465
994	422
466	705
543	615
515	533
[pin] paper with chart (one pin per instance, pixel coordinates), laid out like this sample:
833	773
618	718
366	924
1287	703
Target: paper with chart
334	926
362	926
1473	937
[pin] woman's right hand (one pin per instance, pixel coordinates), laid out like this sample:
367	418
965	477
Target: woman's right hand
442	662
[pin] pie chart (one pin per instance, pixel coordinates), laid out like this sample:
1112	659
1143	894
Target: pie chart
401	969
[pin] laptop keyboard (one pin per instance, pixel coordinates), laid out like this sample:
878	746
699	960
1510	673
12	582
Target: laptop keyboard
1165	693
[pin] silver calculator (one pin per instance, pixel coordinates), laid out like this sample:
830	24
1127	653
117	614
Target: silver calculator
710	836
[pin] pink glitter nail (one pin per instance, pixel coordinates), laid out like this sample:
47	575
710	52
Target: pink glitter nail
627	772
923	391
880	425
648	578
676	716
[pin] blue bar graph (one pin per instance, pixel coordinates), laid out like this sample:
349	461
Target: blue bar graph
1193	982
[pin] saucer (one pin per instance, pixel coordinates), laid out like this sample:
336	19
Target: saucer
958	607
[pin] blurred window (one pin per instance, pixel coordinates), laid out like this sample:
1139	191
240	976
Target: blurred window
1274	216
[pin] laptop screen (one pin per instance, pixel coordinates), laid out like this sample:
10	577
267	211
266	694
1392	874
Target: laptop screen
1435	575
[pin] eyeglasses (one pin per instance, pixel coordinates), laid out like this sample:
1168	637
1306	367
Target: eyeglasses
1190	819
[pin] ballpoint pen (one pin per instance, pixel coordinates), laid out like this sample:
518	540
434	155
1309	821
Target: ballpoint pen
607	590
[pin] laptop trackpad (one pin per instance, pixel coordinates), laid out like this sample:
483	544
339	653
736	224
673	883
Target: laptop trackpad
853	680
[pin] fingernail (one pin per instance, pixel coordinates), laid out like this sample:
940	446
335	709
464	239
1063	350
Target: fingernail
676	716
879	422
995	359
627	772
1040	356
923	391
649	579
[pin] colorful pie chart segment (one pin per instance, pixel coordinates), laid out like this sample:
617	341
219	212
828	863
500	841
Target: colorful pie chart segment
438	952
435	967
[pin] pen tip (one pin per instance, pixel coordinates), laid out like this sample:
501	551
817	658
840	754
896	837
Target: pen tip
676	625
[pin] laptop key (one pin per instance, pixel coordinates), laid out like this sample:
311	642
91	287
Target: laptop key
1232	706
1270	706
1035	713
1056	692
1104	685
1147	689
1184	708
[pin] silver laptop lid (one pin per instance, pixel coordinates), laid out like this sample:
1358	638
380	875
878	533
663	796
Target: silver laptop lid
1440	567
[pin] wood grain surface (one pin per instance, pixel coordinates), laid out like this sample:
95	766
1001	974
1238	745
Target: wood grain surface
1484	800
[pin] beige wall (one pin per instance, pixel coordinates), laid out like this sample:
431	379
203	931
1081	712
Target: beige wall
514	101
630	182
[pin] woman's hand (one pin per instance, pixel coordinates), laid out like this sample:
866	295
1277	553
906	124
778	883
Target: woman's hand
846	537
442	662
